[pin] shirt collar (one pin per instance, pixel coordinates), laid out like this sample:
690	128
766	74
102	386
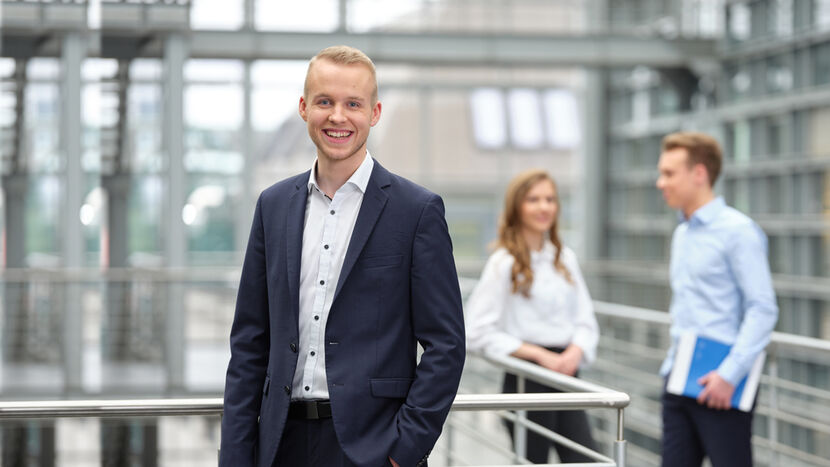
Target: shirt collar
708	212
360	177
545	254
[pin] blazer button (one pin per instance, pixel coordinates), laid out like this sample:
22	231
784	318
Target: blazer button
287	390
293	347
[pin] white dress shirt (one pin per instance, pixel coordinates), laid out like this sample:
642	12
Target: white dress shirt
556	314
328	228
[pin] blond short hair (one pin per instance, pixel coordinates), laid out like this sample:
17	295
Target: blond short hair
344	55
702	149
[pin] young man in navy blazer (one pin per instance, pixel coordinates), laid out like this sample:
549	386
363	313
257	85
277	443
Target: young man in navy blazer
348	268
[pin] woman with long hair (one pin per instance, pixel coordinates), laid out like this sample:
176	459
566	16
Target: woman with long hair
532	303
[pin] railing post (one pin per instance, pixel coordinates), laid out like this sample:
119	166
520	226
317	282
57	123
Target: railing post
519	428
772	418
449	443
619	444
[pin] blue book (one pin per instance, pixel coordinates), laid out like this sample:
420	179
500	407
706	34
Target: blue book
696	356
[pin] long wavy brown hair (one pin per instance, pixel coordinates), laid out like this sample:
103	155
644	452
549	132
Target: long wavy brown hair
510	230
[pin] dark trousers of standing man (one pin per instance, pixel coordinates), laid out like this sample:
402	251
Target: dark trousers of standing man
572	424
692	431
309	439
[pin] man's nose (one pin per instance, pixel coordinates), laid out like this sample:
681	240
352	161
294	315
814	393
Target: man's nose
337	114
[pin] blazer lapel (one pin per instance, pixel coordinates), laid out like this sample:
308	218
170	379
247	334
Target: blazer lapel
294	240
373	202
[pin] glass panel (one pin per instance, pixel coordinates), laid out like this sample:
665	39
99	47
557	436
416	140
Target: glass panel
222	14
367	15
308	15
41	120
488	117
277	87
739	21
822	14
145	120
741	149
562	119
525	118
821	63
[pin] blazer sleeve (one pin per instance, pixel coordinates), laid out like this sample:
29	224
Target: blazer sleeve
438	324
249	343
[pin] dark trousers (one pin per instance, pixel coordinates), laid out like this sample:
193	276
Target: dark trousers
692	431
310	443
572	424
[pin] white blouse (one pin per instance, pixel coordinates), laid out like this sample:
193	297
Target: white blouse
556	314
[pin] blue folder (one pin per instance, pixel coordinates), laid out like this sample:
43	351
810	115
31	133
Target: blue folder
696	356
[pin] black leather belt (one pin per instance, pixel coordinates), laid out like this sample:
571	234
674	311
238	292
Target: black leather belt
309	410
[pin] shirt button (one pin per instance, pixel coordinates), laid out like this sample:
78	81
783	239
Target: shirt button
287	390
325	247
293	347
322	282
307	388
331	212
316	318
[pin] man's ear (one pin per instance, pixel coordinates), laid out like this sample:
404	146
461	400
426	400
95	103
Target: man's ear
700	174
375	114
303	110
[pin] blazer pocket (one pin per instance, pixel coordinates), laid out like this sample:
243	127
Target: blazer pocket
396	388
376	262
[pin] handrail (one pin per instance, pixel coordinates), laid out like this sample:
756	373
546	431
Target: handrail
213	405
558	380
577	388
777	339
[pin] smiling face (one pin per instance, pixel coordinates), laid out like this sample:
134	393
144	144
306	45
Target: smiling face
539	208
339	109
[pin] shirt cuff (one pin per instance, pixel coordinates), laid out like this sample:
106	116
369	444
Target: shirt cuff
586	343
505	345
731	371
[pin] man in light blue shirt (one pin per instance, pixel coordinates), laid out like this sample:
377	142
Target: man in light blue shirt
721	289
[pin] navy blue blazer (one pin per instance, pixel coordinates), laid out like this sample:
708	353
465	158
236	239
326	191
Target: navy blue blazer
398	287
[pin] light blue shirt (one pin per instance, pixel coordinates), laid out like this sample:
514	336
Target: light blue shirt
721	286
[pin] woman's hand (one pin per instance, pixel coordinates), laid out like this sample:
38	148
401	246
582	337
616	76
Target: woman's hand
566	363
569	360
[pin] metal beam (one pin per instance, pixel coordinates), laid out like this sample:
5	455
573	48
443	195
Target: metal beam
432	48
458	49
176	48
74	50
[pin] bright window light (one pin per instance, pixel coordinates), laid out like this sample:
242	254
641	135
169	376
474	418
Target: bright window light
562	119
525	119
488	117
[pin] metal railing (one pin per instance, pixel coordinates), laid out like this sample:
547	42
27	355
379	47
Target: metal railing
571	386
793	408
17	410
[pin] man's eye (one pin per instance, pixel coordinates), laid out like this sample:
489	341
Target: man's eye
354	104
324	102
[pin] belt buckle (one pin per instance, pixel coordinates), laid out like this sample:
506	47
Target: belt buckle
311	411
